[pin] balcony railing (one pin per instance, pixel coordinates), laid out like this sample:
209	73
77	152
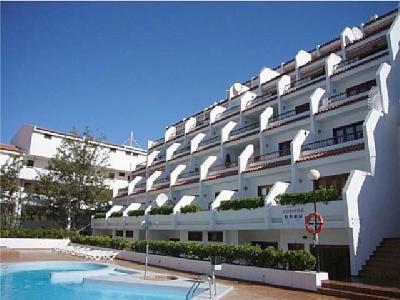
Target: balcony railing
189	174
139	170
228	112
181	150
282	116
244	129
209	141
140	186
297	83
179	132
264	98
159	158
160	181
158	142
202	122
333	141
356	90
224	166
122	191
345	63
272	155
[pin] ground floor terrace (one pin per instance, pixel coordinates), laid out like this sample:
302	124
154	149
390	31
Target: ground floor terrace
241	290
335	244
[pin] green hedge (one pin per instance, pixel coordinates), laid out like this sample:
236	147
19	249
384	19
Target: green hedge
245	254
242	203
136	213
116	214
37	233
100	215
192	208
163	210
323	195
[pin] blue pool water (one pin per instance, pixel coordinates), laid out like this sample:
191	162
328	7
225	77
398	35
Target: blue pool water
31	281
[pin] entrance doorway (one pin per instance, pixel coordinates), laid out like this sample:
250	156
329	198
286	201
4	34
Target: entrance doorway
335	259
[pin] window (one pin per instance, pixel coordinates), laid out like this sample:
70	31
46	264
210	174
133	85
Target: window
174	240
30	163
113	150
196	236
336	182
263	190
349	132
119	233
47	136
111	175
27	184
302	108
284	148
121	174
295	246
129	234
129	177
128	153
215	236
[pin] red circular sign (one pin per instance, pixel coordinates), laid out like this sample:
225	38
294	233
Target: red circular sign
310	225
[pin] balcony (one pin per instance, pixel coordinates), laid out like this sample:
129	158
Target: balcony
188	177
347	97
139	171
160	183
270	160
288	117
182	151
158	160
227	113
261	100
360	59
141	187
122	192
158	143
235	134
201	123
223	170
177	134
211	142
303	82
333	141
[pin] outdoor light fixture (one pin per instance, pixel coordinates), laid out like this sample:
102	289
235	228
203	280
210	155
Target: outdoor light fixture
146	226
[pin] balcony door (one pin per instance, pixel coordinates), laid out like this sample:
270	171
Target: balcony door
284	148
347	133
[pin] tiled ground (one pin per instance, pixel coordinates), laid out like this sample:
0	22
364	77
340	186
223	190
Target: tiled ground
241	290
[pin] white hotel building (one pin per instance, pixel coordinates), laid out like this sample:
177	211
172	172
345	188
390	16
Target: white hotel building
334	108
36	145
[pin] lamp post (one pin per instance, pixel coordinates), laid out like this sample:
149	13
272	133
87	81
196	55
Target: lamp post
146	226
314	175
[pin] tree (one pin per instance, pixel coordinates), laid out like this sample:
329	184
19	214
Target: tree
10	190
74	180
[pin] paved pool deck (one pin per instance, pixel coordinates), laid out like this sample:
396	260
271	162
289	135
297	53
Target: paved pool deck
241	290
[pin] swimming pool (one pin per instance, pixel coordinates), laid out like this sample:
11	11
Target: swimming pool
32	281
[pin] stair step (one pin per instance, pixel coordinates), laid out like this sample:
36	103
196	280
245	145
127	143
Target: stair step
350	295
362	288
394	265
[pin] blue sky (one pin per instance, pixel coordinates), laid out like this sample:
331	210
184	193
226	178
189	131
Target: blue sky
123	66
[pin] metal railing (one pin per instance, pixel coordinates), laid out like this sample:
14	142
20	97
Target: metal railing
161	180
209	141
140	186
227	112
244	129
266	97
361	56
224	166
295	84
200	279
282	116
353	91
122	190
158	142
202	122
333	141
182	150
272	155
189	174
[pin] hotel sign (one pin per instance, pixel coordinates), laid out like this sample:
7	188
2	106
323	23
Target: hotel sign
293	215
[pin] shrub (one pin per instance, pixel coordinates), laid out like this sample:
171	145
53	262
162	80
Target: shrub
247	254
136	213
163	210
243	203
100	215
324	195
116	214
192	208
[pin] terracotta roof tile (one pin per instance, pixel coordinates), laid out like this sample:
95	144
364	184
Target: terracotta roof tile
334	152
188	181
8	147
221	175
